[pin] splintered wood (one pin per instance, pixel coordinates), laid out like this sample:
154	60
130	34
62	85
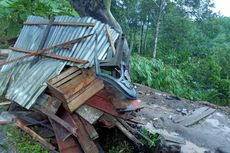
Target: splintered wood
75	86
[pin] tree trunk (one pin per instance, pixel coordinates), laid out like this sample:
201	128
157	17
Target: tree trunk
135	39
156	37
141	41
100	10
146	34
161	9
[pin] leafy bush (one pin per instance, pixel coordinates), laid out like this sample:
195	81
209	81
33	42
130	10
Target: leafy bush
156	74
14	12
194	79
212	79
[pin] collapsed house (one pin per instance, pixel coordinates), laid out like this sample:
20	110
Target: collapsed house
71	70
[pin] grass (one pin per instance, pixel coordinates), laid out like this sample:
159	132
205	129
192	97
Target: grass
121	147
22	141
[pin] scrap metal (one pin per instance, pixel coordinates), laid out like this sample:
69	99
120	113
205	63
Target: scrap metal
43	51
24	81
117	73
77	98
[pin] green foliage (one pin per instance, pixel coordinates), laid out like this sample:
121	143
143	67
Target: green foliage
122	147
193	47
156	74
153	137
23	142
197	80
14	12
212	84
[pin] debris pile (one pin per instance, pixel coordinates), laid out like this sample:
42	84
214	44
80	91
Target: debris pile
69	74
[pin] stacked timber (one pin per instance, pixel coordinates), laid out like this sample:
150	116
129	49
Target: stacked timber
75	86
74	102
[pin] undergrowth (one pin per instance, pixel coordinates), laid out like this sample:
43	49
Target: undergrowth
193	80
23	142
154	73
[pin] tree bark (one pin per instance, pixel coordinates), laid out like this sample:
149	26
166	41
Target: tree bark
100	10
158	23
142	34
146	35
156	37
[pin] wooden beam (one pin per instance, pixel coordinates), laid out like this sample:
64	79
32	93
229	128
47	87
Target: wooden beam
67	78
50	55
40	52
87	145
90	129
19	123
87	93
63	75
197	117
60	121
123	129
82	24
66	143
109	35
76	85
5	103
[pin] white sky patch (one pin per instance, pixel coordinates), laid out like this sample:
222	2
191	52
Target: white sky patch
222	6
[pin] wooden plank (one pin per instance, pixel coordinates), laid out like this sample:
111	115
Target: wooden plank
65	144
80	92
68	78
132	130
195	118
89	128
19	123
63	75
61	24
196	112
88	92
123	129
65	88
110	39
5	103
43	51
74	88
89	113
57	119
50	55
87	145
56	93
101	101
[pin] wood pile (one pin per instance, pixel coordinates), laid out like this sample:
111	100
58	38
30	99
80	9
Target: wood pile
76	102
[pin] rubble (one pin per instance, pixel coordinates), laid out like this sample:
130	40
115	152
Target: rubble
56	72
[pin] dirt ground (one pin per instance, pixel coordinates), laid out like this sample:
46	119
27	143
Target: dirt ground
211	134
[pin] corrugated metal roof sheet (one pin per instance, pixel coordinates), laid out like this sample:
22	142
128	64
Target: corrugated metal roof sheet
24	81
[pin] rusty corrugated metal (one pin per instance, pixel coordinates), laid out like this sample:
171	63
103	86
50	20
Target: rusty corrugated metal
24	81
